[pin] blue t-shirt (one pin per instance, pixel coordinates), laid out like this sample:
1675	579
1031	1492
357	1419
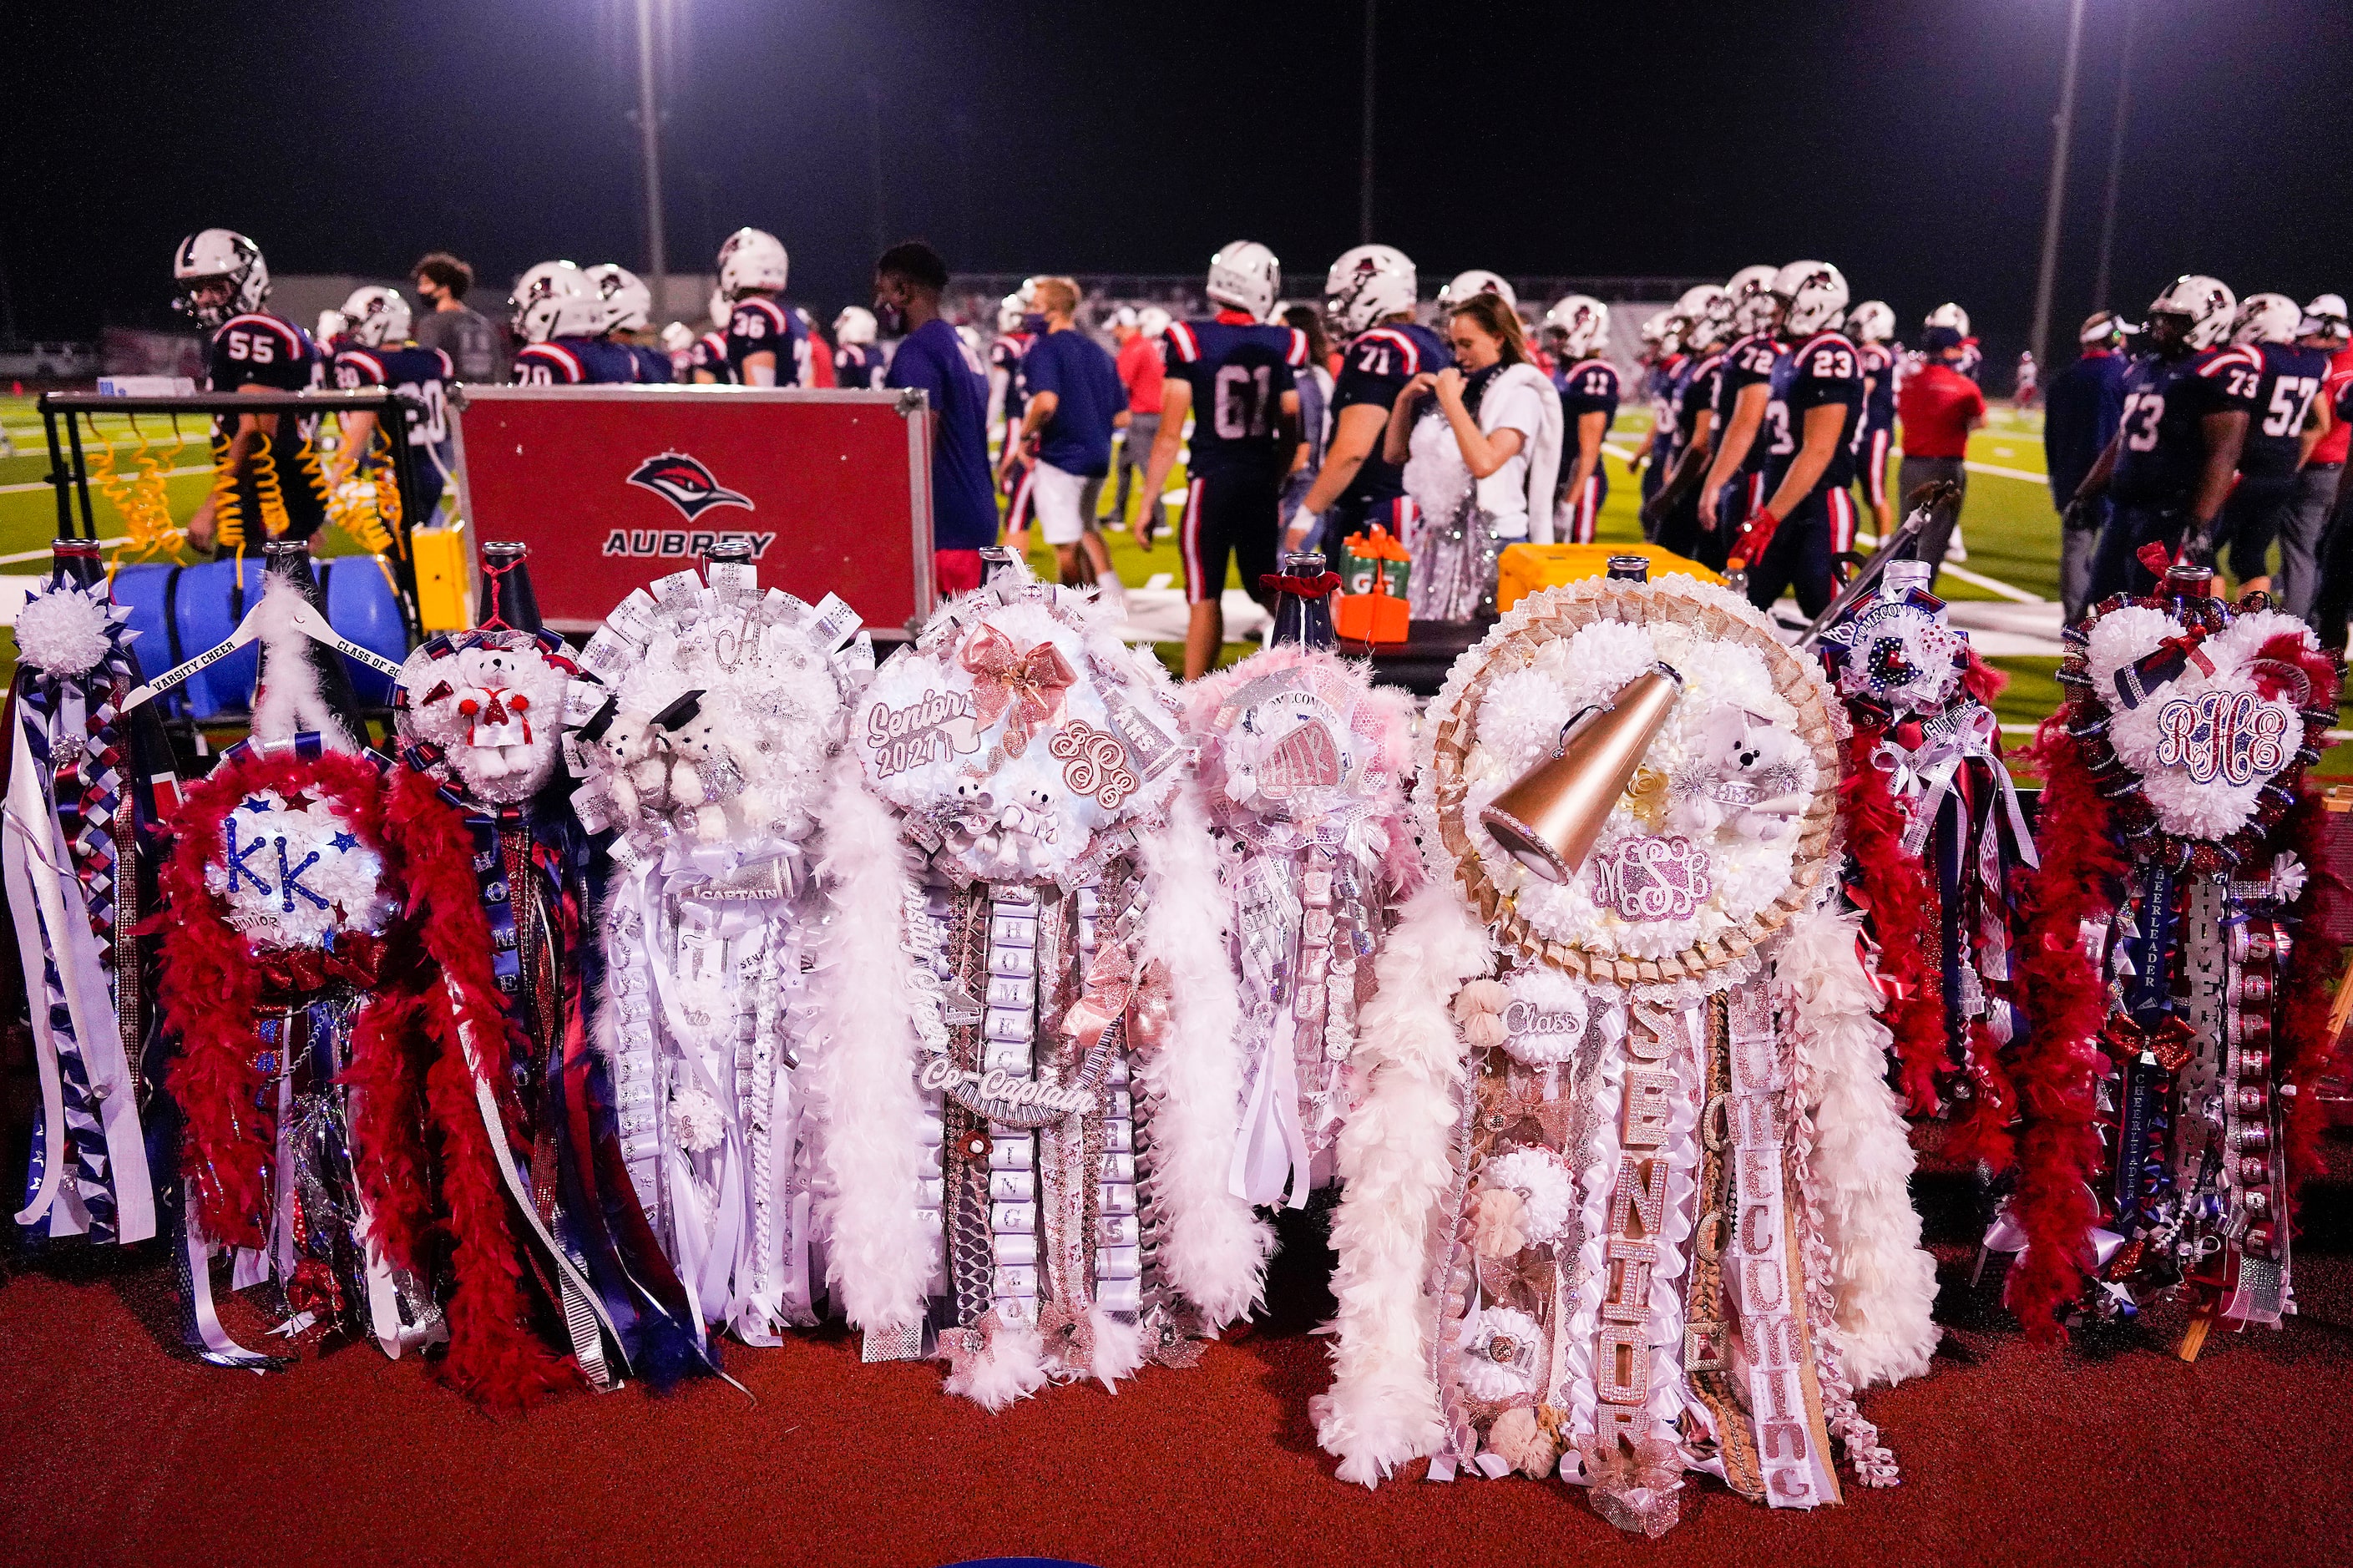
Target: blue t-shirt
2164	420
2291	378
2080	412
964	506
1238	372
1087	398
858	368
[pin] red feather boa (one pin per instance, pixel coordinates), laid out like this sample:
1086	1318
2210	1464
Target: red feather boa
2058	1069
2307	1052
211	987
1895	893
420	1149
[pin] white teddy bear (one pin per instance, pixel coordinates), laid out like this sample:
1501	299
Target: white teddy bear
1748	778
498	712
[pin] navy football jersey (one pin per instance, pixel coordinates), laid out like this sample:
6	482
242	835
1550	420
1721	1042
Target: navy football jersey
858	366
1378	363
2161	437
1825	369
652	365
287	495
1589	387
1691	392
1878	394
2291	378
1239	374
1749	361
709	356
763	326
424	373
570	361
1005	354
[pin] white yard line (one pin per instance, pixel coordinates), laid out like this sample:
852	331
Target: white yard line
26	555
1990	584
31	485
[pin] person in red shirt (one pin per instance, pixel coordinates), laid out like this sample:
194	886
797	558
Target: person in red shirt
1938	406
1141	372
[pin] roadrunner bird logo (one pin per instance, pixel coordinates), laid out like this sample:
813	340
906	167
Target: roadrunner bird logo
686	484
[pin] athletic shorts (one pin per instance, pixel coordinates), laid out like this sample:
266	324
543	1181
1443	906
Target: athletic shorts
1236	516
1020	489
1064	501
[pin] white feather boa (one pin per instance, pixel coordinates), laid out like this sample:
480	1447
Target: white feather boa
880	1256
288	699
1883	1280
1395	1158
1212	1245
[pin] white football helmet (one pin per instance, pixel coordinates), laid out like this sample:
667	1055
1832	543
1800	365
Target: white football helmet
1813	297
211	253
856	324
1658	334
1583	322
1246	276
1478	280
1870	322
2267	319
2324	318
1753	305
629	303
375	317
752	258
1368	284
332	325
1948	315
2209	306
555	299
1009	312
1702	317
721	311
677	338
1152	320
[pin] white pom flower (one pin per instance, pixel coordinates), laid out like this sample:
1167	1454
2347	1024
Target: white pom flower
1500	1348
1541	1182
64	631
696	1122
2288	877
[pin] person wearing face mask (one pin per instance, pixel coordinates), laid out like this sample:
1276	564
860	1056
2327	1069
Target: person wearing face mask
908	281
1479	443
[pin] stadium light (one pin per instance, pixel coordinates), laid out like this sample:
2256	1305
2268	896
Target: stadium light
2063	126
650	133
2116	160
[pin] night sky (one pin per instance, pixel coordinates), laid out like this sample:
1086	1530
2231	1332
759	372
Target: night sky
1905	140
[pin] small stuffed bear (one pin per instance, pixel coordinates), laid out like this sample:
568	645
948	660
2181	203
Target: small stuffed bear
700	765
1745	777
499	731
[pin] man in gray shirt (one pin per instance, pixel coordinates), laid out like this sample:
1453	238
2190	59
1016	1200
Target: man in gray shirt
474	344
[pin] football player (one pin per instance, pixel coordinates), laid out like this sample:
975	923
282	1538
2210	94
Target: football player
1700	322
629	319
1662	354
1368	297
706	351
857	364
2169	469
378	351
1238	378
1016	328
558	315
1814	402
1478	280
767	344
2305	533
1589	390
1871	325
1741	394
266	477
2277	442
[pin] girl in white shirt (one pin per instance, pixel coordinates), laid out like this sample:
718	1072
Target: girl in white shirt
1481	445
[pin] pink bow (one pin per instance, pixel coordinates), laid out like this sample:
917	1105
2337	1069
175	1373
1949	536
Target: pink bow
1029	684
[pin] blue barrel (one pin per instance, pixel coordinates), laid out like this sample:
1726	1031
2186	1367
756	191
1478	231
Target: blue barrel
181	611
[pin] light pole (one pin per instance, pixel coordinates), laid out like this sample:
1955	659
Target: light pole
649	134
2063	126
2116	160
1365	147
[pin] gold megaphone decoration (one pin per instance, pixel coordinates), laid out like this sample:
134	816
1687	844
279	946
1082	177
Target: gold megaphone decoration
1549	817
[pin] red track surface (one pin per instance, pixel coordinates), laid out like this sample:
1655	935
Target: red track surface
114	1448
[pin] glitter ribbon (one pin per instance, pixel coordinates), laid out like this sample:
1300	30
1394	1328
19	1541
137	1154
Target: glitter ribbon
1024	688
